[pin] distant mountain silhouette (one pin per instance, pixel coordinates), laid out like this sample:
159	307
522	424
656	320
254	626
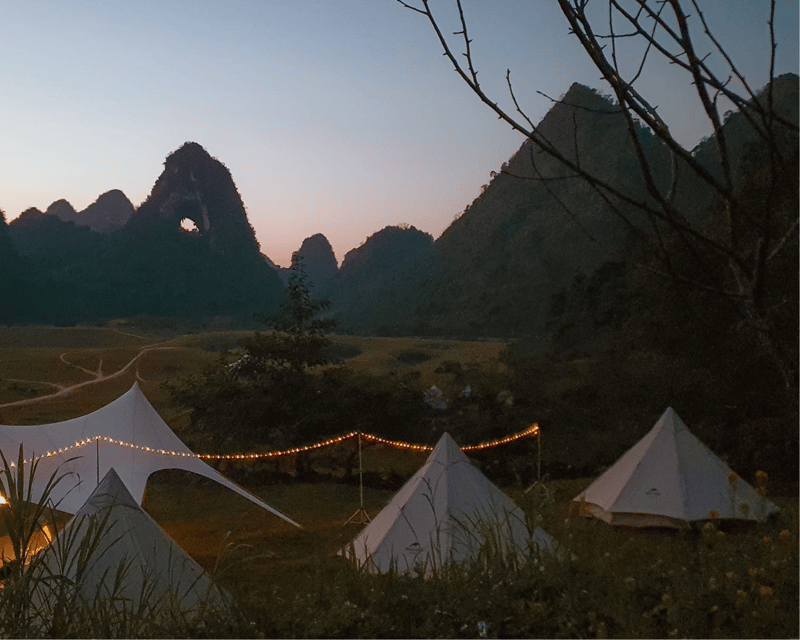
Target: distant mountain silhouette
63	210
539	254
110	212
375	280
200	188
6	246
151	266
11	285
49	240
495	269
319	261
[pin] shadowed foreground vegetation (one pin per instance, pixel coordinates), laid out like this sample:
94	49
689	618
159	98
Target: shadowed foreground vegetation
290	583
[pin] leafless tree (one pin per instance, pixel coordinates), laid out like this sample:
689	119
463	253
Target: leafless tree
747	241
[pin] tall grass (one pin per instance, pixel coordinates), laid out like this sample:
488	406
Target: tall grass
57	592
698	583
701	582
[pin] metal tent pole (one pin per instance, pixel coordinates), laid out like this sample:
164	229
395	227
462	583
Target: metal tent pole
539	455
360	516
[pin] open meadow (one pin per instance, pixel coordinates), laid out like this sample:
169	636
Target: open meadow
290	582
38	362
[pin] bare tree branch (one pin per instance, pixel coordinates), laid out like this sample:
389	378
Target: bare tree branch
745	240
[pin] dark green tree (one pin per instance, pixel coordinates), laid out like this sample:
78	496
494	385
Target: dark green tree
269	394
298	339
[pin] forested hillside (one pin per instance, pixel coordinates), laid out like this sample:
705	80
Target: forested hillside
151	266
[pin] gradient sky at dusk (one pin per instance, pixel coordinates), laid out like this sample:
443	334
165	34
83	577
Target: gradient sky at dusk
334	116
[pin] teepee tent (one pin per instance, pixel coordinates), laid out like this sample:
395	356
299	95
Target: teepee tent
445	513
112	550
670	479
127	434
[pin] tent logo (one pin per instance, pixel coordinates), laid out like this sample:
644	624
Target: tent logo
654	493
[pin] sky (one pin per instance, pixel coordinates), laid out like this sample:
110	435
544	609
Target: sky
334	116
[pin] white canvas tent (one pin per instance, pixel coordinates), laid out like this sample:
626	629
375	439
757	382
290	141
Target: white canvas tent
444	513
127	434
132	561
669	479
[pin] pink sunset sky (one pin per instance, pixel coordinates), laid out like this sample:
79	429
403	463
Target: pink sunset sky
337	117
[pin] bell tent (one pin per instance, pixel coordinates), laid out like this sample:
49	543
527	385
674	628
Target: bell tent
445	513
114	551
127	434
669	479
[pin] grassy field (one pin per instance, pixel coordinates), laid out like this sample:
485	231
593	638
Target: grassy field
289	582
37	362
702	583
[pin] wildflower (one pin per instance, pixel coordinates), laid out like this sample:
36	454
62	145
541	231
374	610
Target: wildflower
732	477
761	478
766	540
666	600
713	515
741	593
714	609
720	534
730	575
708	526
753	572
765	591
785	536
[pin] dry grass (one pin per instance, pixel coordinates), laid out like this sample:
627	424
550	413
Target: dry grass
37	362
383	356
637	585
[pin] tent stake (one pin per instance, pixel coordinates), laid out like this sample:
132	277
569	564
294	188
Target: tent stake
360	516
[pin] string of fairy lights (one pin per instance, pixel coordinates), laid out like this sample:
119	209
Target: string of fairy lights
531	431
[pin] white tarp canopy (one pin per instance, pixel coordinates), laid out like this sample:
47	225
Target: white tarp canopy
445	513
130	560
669	479
127	434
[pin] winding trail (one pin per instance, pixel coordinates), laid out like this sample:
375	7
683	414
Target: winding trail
97	376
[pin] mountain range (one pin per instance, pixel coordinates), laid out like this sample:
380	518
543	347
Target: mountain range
539	253
113	261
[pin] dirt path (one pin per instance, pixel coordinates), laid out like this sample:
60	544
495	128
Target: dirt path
97	376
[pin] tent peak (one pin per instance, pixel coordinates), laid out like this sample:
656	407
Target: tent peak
111	491
447	451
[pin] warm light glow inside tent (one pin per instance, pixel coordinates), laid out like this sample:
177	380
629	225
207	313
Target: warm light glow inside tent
113	550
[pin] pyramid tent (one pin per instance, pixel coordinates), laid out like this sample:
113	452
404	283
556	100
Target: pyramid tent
131	559
443	514
127	434
669	479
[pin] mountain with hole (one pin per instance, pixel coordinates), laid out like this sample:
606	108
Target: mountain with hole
196	193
